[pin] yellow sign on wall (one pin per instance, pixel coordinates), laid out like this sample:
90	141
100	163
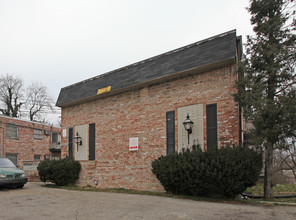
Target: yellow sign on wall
103	90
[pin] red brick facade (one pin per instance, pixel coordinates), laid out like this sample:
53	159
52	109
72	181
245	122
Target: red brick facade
32	141
141	113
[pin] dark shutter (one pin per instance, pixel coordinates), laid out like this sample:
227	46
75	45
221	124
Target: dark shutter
70	143
212	143
170	127
92	139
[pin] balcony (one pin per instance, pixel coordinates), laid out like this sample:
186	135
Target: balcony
55	147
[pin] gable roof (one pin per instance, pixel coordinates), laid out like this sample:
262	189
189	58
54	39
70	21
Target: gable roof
218	49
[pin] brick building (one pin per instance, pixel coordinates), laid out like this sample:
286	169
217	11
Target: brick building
26	142
115	124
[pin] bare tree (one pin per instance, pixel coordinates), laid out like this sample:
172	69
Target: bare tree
290	159
10	94
38	99
285	157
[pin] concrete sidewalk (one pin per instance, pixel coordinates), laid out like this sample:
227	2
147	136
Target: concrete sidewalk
37	202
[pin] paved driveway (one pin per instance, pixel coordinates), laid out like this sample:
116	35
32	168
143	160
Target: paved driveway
37	202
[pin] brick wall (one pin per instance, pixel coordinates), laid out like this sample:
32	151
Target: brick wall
142	113
25	146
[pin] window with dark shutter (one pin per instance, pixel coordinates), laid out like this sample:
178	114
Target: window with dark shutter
212	143
92	140
170	127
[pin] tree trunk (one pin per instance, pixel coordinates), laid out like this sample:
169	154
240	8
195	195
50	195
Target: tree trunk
268	172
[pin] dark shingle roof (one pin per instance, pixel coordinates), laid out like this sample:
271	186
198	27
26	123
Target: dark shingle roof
212	50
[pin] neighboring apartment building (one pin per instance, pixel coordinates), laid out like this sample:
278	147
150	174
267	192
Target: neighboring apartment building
117	123
25	143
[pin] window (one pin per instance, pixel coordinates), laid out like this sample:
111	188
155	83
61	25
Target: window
54	138
11	131
13	158
36	157
46	157
37	134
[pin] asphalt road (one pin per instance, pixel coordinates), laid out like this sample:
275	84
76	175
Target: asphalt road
37	202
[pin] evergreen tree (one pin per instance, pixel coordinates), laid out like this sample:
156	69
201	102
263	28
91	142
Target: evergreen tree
267	84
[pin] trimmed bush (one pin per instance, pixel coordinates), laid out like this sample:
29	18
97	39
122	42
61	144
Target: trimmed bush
61	172
45	170
226	172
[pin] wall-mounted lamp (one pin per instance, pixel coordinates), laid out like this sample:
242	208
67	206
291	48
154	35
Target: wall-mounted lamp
78	140
188	124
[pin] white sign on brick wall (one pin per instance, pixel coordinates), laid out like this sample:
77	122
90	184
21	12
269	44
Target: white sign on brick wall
64	133
133	144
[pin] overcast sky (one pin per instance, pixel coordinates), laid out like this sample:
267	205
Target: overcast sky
61	42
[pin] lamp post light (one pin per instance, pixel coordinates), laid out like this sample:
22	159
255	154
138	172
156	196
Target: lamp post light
188	124
78	140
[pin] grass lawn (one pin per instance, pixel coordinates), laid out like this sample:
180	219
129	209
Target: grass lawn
287	189
279	190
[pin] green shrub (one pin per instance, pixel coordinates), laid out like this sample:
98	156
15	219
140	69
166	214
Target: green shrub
61	172
45	170
226	172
